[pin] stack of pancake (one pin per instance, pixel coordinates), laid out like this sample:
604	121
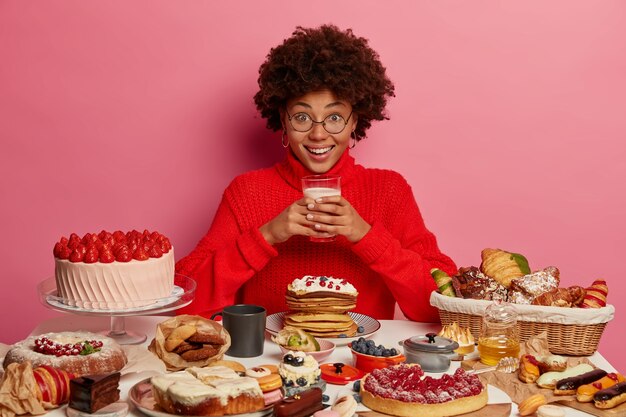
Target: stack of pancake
320	305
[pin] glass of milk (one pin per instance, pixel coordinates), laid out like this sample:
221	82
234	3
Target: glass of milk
316	186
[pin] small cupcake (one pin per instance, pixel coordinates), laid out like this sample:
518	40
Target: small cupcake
299	372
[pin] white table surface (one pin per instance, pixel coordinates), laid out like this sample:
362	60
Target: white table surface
390	333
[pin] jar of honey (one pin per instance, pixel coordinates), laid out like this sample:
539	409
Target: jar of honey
499	337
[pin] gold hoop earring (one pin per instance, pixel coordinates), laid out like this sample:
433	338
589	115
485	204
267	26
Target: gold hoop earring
352	140
285	144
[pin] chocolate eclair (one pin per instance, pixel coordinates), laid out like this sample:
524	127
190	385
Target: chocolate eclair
568	386
610	397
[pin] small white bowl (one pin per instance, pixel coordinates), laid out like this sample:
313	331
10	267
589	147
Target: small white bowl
326	349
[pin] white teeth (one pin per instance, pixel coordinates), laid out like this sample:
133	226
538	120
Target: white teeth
319	151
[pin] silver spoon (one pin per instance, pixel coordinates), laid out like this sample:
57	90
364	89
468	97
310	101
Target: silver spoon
507	365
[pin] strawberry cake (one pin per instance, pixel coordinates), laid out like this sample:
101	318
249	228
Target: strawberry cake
402	390
113	270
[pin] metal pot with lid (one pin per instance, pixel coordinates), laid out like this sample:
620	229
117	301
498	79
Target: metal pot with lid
433	353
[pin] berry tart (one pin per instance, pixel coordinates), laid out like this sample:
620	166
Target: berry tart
77	353
113	270
402	390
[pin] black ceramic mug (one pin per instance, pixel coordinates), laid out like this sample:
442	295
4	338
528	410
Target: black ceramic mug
246	325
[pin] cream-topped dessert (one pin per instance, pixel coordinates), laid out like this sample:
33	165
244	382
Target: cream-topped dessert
207	391
114	270
310	283
320	305
297	369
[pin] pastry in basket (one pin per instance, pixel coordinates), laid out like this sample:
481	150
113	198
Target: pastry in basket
595	295
585	393
296	339
212	391
443	281
528	369
462	335
524	290
503	266
610	397
402	390
186	340
558	297
469	282
79	353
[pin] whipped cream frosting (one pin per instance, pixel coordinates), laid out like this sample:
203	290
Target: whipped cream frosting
309	370
195	385
115	285
310	283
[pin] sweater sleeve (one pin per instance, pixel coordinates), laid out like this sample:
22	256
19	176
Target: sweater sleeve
224	259
403	253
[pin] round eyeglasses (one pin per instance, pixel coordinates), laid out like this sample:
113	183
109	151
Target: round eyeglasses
333	124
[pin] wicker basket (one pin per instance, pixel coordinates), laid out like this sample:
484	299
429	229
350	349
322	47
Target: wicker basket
570	331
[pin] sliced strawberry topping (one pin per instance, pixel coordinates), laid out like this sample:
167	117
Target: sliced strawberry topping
155	251
106	255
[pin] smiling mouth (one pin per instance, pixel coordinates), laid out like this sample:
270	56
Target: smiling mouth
319	151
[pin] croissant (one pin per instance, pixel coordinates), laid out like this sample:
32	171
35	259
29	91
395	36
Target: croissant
503	266
558	297
595	296
443	281
577	293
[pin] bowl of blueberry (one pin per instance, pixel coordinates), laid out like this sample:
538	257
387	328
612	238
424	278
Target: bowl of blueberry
369	356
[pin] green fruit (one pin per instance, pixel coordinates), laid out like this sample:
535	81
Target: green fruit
521	262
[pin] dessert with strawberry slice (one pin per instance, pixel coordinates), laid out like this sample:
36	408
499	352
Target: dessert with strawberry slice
113	270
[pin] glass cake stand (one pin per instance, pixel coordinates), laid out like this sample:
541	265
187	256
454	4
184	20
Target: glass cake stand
182	294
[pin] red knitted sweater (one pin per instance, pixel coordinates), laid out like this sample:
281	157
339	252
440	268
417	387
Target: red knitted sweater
233	263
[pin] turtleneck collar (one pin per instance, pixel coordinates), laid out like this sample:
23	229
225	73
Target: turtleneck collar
292	170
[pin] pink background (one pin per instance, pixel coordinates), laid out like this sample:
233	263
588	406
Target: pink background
508	123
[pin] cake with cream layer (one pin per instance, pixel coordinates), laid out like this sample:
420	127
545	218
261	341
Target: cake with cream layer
114	270
319	305
213	391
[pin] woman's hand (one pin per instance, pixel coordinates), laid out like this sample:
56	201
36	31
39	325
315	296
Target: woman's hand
336	216
290	222
323	217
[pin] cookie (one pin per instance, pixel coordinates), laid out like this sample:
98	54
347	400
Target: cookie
199	354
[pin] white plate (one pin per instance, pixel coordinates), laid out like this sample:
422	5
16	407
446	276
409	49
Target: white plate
274	324
177	292
141	396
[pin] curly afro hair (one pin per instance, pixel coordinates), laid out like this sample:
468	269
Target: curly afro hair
324	58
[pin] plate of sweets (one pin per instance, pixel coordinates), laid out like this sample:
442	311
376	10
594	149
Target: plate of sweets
322	306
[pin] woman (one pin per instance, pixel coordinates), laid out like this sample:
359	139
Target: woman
322	87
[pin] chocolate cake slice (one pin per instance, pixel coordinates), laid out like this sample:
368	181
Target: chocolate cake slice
93	392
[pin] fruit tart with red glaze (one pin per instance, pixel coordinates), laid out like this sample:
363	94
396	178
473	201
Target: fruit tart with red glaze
113	270
77	353
403	390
